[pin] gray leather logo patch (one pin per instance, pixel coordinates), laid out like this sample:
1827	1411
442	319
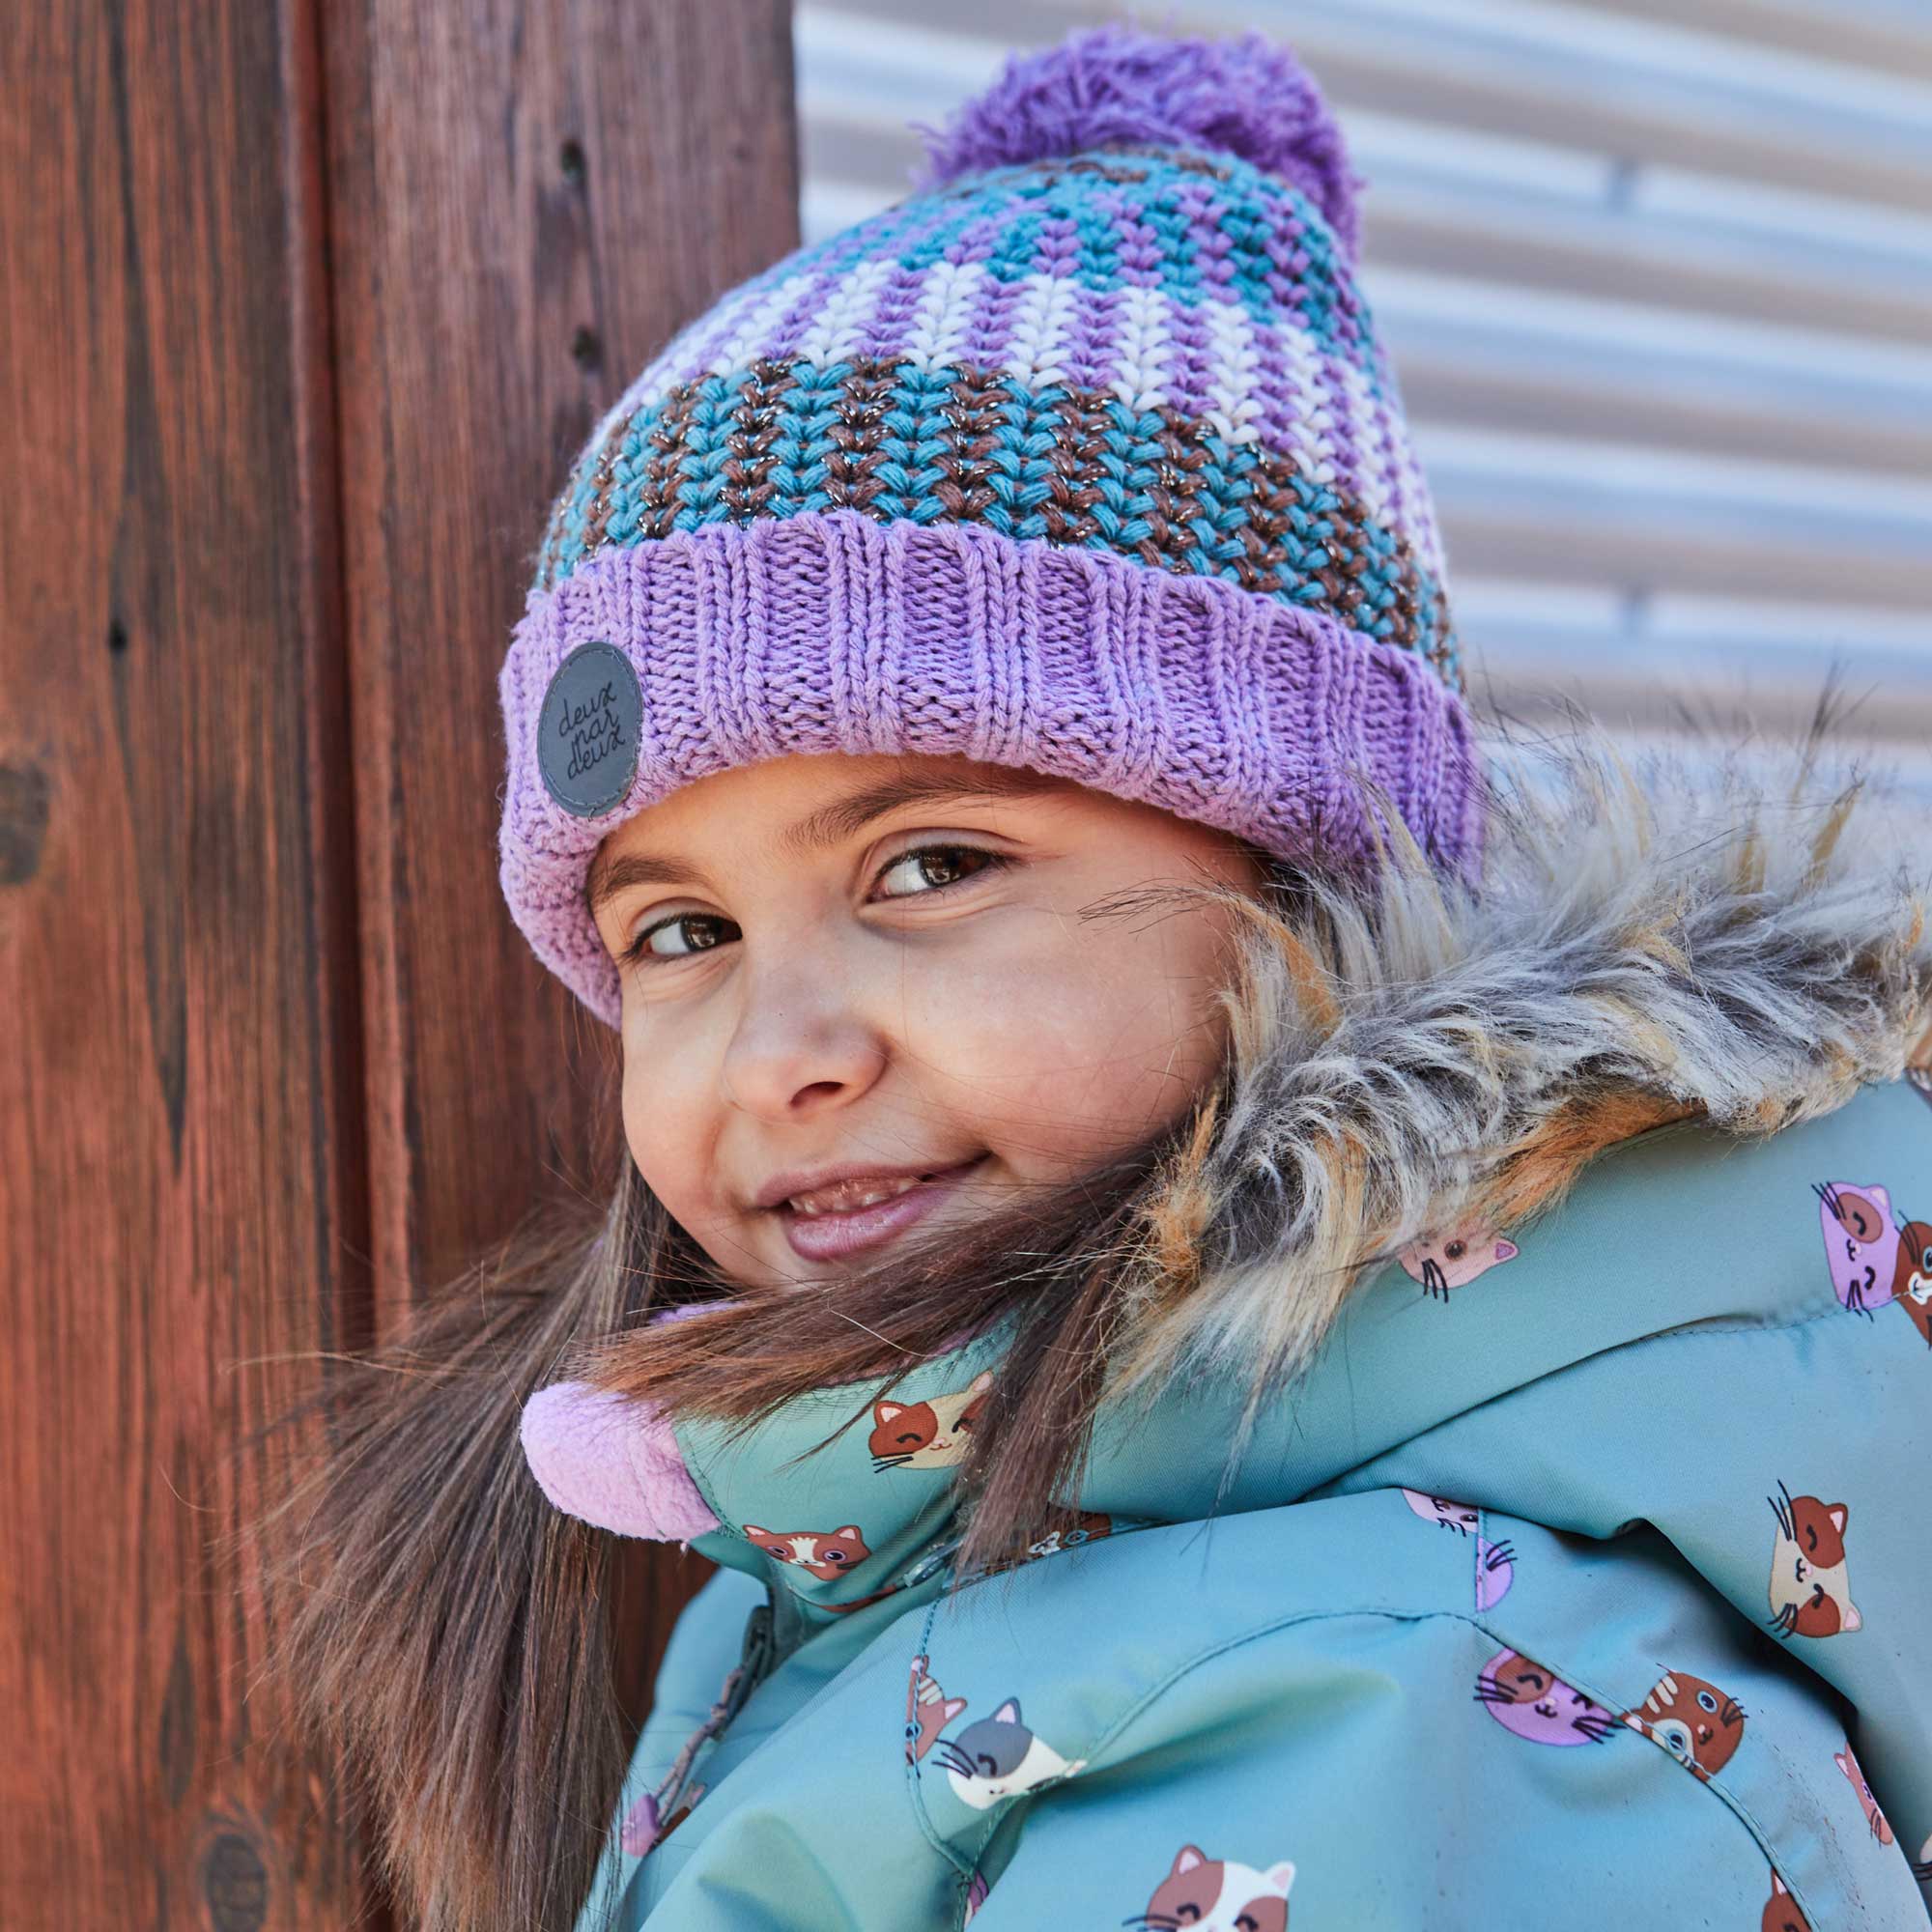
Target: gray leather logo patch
588	729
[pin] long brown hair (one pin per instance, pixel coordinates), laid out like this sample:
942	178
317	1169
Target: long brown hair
449	1630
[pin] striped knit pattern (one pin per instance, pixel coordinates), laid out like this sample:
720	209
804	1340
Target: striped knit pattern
1158	354
1085	458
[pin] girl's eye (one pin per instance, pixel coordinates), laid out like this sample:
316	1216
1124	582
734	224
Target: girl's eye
943	861
687	925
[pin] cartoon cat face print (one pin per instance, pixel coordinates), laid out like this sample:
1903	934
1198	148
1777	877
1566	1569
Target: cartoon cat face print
1087	1526
1781	1911
1460	1516
827	1553
1442	1262
1811	1595
929	1712
1218	1896
1922	1865
1000	1757
936	1434
1495	1571
1861	1242
1534	1703
1847	1761
1694	1721
1911	1284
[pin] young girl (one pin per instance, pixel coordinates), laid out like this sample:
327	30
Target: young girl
1261	1319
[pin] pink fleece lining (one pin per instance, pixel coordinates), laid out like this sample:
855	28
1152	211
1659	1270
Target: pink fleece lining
612	1464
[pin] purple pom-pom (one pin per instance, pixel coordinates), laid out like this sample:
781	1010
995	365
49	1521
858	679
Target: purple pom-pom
1249	96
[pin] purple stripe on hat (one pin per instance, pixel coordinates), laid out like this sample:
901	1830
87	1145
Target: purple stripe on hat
1303	398
833	631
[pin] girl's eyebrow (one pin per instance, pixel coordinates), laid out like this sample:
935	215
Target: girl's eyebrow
829	823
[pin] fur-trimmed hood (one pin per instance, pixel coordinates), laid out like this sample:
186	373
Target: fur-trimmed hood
1735	937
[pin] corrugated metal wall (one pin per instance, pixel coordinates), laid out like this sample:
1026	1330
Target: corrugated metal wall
1657	280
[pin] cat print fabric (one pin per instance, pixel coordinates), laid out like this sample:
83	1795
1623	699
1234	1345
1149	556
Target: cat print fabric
1442	1512
999	1757
1535	1704
1087	1526
1811	1595
929	1712
1495	1571
1217	1896
1875	1819
1911	1281
936	1434
1694	1721
1877	1255
1442	1262
1495	1562
827	1553
977	1889
1781	1911
1862	1242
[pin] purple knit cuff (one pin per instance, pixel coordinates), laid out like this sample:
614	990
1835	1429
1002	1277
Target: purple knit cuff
834	632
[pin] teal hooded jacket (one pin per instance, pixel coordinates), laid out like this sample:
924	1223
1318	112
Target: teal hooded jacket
1582	1578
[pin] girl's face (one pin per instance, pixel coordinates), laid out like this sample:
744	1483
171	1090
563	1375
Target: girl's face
878	962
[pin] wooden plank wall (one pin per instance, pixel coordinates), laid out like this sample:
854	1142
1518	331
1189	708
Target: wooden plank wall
304	307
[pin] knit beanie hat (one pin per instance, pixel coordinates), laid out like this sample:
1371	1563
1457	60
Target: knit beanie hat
1084	457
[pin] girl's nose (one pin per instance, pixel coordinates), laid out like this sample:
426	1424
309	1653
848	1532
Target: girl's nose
800	1044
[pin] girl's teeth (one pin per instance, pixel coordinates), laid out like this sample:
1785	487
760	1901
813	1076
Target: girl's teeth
849	1195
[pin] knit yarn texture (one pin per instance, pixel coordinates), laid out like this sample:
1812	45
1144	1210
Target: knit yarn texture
1083	457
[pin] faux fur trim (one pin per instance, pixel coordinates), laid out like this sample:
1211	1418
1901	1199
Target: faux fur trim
1679	938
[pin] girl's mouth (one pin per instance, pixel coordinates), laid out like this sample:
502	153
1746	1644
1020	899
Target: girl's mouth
831	1235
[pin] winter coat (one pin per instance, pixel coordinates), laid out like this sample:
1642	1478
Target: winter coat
1584	1579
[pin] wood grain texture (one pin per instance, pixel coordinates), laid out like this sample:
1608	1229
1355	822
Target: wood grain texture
181	1139
527	200
303	310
